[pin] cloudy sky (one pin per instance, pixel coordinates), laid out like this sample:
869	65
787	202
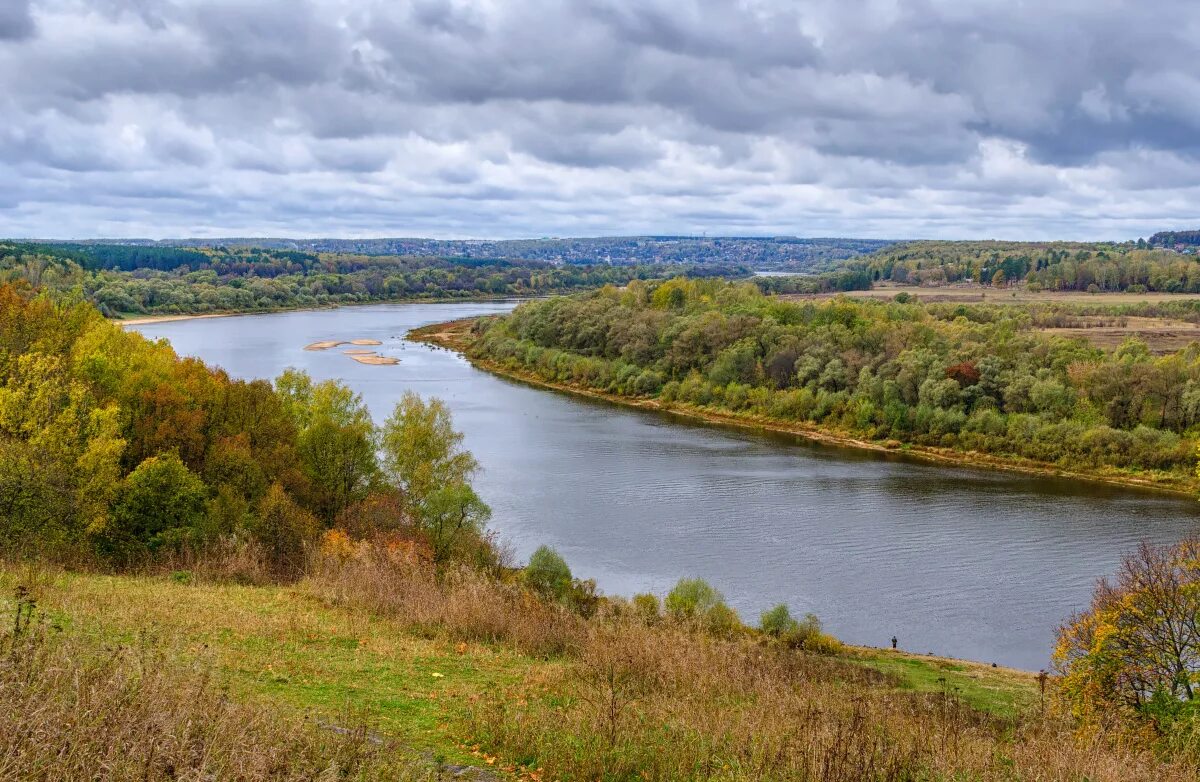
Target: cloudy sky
514	118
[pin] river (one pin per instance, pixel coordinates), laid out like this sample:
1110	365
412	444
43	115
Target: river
969	563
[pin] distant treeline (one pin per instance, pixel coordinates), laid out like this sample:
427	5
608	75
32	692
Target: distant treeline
779	252
128	280
1042	266
1175	238
974	378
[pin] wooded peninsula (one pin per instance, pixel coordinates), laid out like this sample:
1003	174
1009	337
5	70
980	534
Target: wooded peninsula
975	382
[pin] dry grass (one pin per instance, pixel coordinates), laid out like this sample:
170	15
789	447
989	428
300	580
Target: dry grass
979	294
663	701
662	705
72	711
615	697
1162	335
460	603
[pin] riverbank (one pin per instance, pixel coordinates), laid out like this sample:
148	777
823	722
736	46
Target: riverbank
141	320
454	335
144	320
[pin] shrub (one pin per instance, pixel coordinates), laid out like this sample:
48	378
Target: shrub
691	598
283	529
161	502
548	573
722	621
646	607
778	621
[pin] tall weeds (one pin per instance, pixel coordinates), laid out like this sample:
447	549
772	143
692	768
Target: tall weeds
458	602
69	711
664	700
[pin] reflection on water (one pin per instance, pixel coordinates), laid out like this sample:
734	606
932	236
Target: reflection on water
961	562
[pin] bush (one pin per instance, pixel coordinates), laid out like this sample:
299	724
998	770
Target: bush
161	502
647	608
284	530
548	573
691	598
778	621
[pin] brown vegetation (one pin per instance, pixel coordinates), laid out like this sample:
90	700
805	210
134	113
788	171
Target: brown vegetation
636	695
1161	335
72	711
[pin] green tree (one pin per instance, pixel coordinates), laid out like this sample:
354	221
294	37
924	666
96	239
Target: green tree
450	514
691	598
423	457
160	502
284	530
548	573
336	441
778	622
422	452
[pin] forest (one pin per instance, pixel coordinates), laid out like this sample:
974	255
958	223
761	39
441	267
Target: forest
122	280
114	451
967	378
1051	266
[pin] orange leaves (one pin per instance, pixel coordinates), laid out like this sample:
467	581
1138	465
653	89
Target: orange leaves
336	544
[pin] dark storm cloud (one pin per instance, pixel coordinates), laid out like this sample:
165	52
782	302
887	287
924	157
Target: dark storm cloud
527	117
15	20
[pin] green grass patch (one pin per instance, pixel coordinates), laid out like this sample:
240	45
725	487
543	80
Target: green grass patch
280	644
1003	692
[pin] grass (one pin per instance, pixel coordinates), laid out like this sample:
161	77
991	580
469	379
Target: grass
980	294
435	668
279	645
1004	692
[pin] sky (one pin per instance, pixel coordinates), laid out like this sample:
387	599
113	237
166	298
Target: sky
1054	119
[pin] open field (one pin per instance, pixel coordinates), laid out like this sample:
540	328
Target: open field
280	646
1161	335
982	294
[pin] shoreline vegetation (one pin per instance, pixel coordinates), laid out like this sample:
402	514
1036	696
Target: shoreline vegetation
456	335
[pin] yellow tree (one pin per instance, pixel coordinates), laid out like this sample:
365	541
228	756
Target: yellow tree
1135	653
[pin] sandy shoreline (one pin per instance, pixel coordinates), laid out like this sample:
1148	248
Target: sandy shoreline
145	319
450	335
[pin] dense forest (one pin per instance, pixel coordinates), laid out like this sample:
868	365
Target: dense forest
1050	266
114	450
1176	239
137	280
971	378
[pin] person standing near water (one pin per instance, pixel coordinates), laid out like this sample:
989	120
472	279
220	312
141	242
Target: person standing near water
893	642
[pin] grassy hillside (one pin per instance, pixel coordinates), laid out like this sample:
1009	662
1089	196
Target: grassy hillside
410	666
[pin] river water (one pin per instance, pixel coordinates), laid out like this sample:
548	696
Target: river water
962	562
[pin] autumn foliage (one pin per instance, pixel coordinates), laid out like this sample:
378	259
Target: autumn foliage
1133	658
115	450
